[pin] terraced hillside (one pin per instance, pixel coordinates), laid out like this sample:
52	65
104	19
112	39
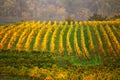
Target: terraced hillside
84	40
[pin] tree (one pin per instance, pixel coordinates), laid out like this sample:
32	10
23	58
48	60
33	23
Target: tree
97	17
114	17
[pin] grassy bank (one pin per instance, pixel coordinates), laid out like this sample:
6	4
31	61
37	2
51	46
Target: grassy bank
22	65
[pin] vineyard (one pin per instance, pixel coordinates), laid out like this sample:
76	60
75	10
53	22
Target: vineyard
84	43
83	39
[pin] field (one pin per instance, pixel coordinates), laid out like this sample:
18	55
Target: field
60	51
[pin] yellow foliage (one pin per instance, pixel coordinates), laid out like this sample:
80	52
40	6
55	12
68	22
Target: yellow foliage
35	72
89	77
